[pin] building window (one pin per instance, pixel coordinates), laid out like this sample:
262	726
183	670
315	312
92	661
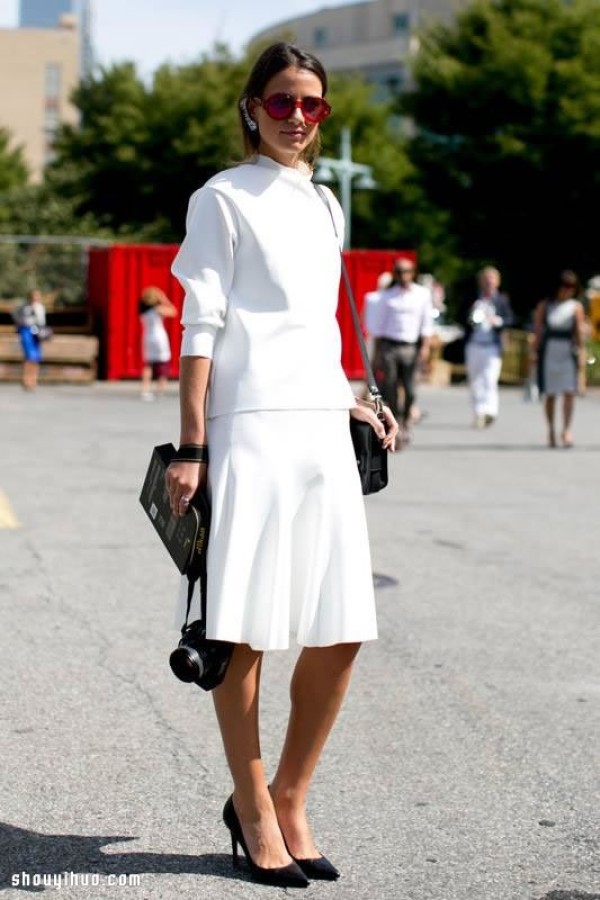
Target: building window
50	121
321	37
401	24
52	79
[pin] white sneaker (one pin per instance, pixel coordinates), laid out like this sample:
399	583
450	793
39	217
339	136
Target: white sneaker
148	396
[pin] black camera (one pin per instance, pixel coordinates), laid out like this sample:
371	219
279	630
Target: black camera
199	660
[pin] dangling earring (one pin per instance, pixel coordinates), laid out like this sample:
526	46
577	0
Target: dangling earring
247	117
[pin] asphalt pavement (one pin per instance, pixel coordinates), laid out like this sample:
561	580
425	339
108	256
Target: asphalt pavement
464	765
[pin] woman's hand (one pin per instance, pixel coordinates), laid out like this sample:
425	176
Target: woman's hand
385	430
183	480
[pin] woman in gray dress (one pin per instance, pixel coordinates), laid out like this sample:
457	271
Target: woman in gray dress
559	347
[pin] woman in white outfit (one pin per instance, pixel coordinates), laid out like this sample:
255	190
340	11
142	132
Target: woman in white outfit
559	349
484	321
261	383
156	349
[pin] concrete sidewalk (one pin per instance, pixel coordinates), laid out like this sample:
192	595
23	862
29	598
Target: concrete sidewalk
464	765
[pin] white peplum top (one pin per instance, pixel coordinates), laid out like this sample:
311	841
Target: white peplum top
260	267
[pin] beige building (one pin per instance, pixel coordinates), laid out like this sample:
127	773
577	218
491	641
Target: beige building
39	68
375	37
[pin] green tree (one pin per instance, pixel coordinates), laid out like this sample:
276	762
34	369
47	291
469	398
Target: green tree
140	151
507	113
397	214
13	171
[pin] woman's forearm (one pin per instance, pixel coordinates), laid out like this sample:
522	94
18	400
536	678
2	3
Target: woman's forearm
194	375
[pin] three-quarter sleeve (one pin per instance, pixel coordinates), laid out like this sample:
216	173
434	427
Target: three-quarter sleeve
204	268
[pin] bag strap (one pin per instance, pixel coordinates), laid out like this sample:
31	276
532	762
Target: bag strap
371	383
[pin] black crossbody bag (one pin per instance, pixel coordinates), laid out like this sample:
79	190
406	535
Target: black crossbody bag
371	456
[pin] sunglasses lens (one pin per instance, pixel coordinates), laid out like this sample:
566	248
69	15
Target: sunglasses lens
315	109
279	106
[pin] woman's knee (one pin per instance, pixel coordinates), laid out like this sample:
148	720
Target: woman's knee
335	656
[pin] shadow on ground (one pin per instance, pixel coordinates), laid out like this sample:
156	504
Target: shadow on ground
29	853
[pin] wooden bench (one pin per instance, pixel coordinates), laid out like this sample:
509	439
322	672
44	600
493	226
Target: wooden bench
66	358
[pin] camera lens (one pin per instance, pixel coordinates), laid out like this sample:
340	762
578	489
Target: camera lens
186	664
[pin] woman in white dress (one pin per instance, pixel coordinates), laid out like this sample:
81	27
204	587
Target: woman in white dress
261	384
156	349
559	348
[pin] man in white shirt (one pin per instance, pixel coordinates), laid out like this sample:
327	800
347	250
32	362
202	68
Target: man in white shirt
400	319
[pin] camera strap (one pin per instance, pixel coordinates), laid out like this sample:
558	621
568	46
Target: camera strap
371	383
196	570
195	575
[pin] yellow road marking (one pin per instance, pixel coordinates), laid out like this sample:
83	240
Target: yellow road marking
7	516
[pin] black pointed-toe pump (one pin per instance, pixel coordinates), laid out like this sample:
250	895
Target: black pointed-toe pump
319	869
283	876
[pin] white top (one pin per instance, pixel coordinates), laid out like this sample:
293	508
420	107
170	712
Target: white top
482	317
560	316
260	266
155	343
399	314
30	315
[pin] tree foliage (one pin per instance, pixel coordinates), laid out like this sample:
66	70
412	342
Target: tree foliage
140	150
13	171
397	214
507	113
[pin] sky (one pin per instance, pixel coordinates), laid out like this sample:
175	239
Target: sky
151	32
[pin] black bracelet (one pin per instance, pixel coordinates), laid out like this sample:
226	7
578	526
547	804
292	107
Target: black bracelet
192	453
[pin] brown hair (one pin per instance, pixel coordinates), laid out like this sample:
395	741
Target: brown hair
568	278
272	60
152	296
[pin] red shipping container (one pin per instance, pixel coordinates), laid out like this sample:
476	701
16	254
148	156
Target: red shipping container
364	268
117	275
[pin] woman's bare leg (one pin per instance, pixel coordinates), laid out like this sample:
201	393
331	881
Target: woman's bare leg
236	704
30	374
317	690
568	407
549	405
147	379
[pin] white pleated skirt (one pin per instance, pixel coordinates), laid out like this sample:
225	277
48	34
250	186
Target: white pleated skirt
288	552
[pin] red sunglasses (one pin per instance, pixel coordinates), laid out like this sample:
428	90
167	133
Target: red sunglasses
282	106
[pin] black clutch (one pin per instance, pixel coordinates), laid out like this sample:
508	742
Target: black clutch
371	457
184	537
196	659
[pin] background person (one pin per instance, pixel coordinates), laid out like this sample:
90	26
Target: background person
155	306
30	322
484	321
560	351
289	549
400	319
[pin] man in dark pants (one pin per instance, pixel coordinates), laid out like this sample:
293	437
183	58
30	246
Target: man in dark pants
400	319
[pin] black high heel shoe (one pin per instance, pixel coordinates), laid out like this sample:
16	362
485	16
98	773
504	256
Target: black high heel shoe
319	869
283	876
